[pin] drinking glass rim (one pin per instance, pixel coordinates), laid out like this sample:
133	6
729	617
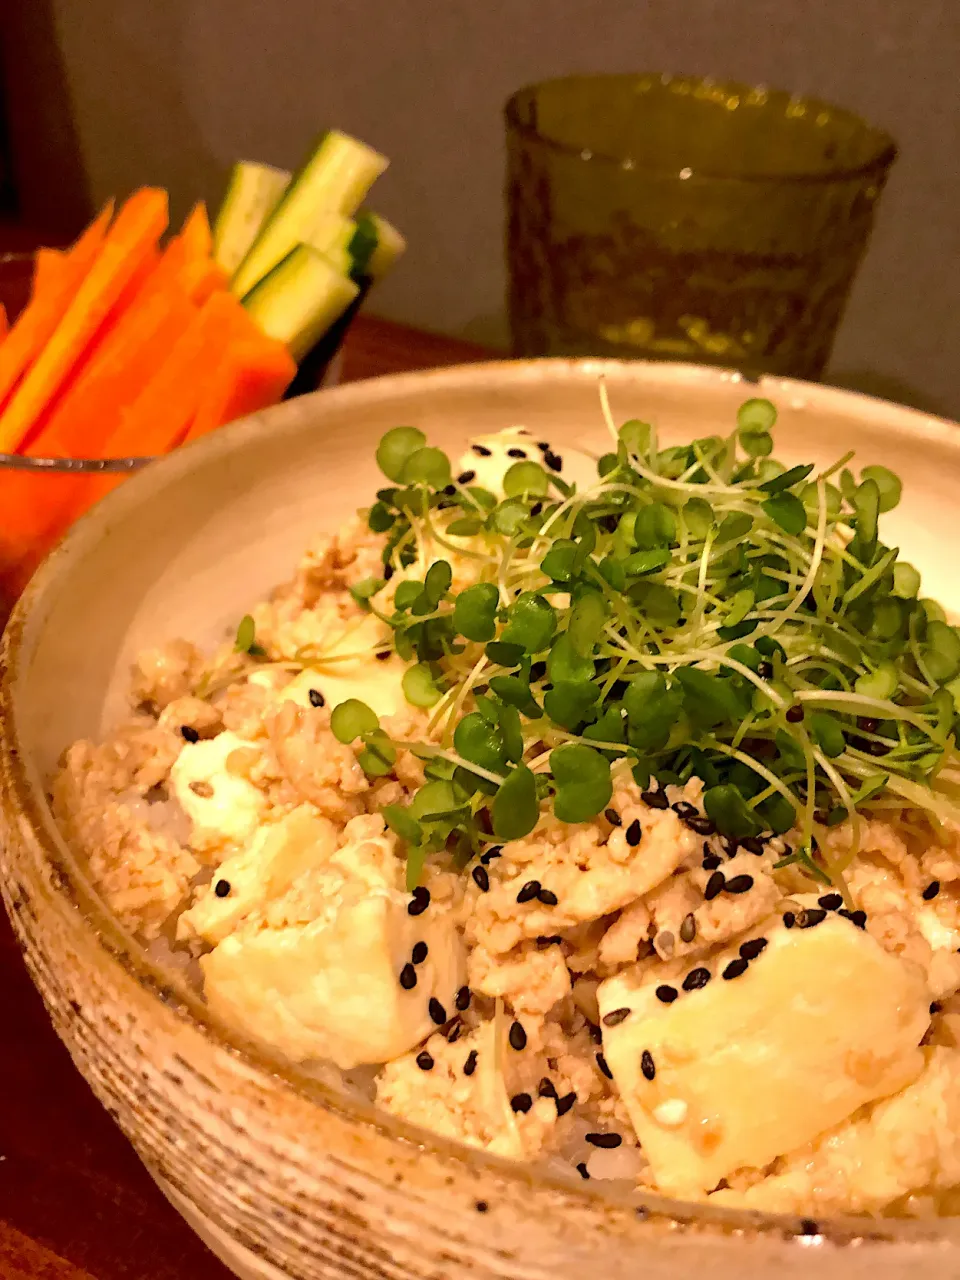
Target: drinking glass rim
885	155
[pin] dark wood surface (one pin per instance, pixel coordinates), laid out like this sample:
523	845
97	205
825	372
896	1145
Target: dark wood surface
74	1200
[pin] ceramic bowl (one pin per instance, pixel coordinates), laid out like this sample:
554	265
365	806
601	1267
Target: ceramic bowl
285	1175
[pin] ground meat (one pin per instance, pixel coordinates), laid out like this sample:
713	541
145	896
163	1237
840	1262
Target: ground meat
531	980
622	941
593	872
142	873
321	770
715	920
161	675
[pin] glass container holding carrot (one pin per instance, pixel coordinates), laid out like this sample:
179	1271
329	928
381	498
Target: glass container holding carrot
134	342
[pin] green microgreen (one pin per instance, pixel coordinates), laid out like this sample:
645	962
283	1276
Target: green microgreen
699	610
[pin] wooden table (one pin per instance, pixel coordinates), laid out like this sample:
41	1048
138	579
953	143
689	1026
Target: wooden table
75	1202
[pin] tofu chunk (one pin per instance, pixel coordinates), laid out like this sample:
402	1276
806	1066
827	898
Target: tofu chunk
736	1071
276	856
222	806
378	683
330	988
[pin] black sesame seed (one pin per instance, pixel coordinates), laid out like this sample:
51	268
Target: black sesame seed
529	891
868	724
789	919
710	862
516	453
794	714
582	1170
616	1017
470	1066
453	1035
188	733
521	1102
696	979
859	918
634	833
553	461
449	490
548	897
666	994
605	1140
931	891
316	697
808	1227
495	852
735	968
701	825
466	476
518	1037
810	917
481	879
222	888
765	670
684	809
566	1103
463	999
752	844
481	450
750	950
408	977
387	572
546	1088
831	901
613	817
424	1061
420	952
536	508
739	884
935	1007
647	1065
481	1206
383	655
730	845
436	1011
714	885
655	799
419	901
688	929
604	1069
545	940
543	445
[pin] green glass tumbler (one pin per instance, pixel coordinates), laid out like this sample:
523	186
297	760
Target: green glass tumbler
673	218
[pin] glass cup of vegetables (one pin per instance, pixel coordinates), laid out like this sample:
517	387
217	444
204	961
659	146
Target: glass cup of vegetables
684	219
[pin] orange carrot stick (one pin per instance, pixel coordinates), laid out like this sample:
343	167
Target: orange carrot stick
48	268
252	376
46	308
133	236
196	234
4	322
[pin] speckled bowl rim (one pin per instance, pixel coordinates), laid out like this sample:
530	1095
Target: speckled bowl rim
26	793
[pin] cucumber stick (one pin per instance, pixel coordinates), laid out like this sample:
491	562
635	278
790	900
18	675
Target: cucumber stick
332	235
337	176
300	299
389	247
253	192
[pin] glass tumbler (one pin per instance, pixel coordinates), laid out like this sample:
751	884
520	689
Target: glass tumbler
673	218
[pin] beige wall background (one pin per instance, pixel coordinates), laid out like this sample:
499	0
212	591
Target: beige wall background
171	91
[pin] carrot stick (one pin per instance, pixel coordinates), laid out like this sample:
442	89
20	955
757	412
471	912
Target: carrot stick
252	376
166	406
80	427
4	322
138	226
48	268
43	313
196	235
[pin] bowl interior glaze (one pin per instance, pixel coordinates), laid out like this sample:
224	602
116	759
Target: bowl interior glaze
184	548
